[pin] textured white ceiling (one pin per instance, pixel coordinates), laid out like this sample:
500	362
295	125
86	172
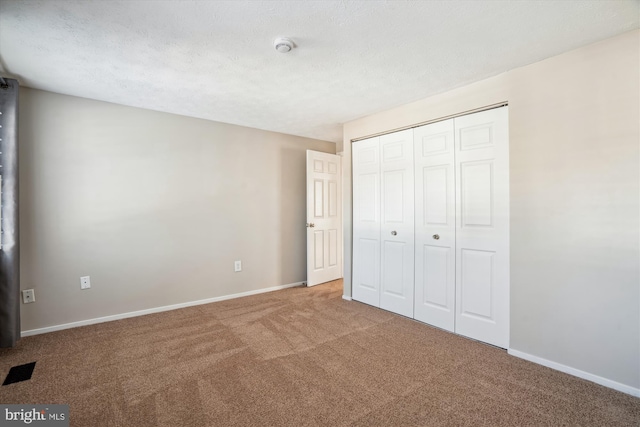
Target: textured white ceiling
215	59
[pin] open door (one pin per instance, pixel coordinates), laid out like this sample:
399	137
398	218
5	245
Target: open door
324	217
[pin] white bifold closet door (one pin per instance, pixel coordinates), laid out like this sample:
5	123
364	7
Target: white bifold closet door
462	225
366	221
397	222
383	222
454	229
482	226
435	285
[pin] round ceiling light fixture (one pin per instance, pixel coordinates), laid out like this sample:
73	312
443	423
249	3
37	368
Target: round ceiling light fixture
283	44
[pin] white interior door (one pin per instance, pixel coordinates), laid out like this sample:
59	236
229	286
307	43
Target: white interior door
482	226
324	221
366	221
397	222
435	229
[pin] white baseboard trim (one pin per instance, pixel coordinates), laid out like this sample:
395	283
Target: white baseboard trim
346	297
576	372
153	310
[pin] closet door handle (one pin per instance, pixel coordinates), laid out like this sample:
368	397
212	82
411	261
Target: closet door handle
436	236
393	233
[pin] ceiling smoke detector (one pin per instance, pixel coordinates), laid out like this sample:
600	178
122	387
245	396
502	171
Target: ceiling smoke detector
283	44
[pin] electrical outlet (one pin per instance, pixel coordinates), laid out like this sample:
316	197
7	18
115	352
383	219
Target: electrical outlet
237	266
85	282
28	295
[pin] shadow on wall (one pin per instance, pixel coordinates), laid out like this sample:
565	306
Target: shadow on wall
293	251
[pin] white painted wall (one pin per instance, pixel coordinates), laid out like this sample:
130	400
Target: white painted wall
575	213
154	207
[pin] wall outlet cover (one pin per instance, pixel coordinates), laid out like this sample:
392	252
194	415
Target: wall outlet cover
85	282
28	296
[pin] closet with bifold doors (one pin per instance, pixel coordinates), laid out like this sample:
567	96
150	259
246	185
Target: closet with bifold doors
431	224
384	256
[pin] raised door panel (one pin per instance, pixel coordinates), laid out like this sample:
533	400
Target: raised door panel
436	277
435	224
482	226
367	199
333	248
366	221
397	222
477	284
394	254
476	134
332	195
366	278
394	197
318	199
437	189
318	243
477	188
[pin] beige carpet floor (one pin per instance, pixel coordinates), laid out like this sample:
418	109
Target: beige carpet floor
297	357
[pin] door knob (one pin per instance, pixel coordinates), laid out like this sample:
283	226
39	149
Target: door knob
311	225
393	233
436	236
